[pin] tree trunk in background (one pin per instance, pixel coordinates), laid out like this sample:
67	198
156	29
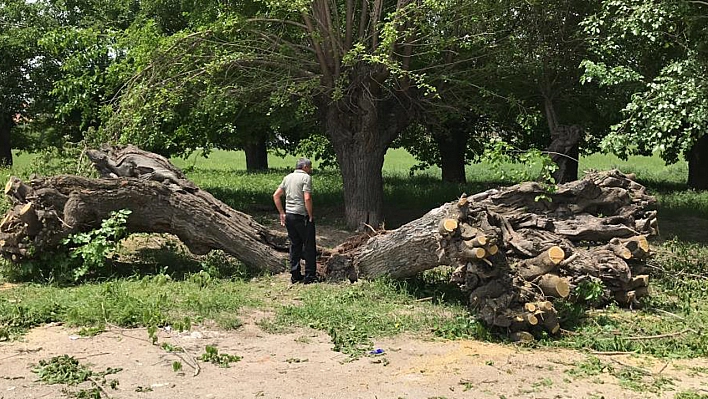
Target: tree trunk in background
697	158
452	144
6	124
360	138
564	151
256	154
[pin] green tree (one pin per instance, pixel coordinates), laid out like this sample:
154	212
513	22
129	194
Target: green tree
20	63
540	70
363	69
658	52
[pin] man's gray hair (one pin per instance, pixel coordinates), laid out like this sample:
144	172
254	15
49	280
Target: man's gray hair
302	162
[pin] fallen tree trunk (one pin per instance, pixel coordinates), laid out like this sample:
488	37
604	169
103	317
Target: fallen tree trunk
47	210
520	245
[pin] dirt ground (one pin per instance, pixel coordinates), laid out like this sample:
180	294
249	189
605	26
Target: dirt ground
302	364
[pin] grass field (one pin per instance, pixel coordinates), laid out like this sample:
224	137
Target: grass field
219	289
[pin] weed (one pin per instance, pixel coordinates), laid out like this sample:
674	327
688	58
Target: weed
167	347
62	369
94	247
213	356
176	366
67	370
91	331
296	360
690	395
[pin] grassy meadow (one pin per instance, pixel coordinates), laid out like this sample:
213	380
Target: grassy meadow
671	323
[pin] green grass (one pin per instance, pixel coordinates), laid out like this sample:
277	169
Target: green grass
353	314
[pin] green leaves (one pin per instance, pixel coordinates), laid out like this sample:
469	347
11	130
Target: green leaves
94	247
651	49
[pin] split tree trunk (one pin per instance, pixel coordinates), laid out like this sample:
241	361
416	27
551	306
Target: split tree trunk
46	210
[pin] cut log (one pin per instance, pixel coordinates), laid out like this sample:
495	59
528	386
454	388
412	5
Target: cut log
448	226
492	249
638	246
550	321
542	264
641	280
472	253
28	215
479	240
619	249
16	190
554	286
631	298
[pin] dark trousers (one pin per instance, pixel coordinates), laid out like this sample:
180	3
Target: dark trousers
302	244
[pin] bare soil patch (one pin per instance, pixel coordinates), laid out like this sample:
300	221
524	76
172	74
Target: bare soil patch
301	364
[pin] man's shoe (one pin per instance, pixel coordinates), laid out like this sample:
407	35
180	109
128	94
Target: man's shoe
296	279
310	280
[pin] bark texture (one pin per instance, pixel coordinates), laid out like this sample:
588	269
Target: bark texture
564	151
46	210
521	247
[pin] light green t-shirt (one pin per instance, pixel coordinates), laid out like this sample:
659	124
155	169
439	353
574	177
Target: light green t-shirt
295	185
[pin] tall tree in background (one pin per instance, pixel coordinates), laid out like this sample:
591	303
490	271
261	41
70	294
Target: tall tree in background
540	68
362	68
20	26
658	51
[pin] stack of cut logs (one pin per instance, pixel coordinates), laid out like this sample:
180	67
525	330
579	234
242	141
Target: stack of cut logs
518	249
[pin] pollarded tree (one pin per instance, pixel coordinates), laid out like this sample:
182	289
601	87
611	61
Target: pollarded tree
540	68
658	51
363	68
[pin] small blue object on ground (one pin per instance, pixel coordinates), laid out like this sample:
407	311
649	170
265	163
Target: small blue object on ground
376	352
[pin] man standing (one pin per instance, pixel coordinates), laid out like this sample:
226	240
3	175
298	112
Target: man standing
297	218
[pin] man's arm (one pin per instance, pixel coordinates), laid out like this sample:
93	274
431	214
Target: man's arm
308	203
279	204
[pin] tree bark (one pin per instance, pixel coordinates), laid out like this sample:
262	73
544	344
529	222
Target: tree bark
6	124
360	140
160	199
256	154
452	144
564	151
697	158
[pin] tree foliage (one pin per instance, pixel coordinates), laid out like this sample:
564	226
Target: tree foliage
655	50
